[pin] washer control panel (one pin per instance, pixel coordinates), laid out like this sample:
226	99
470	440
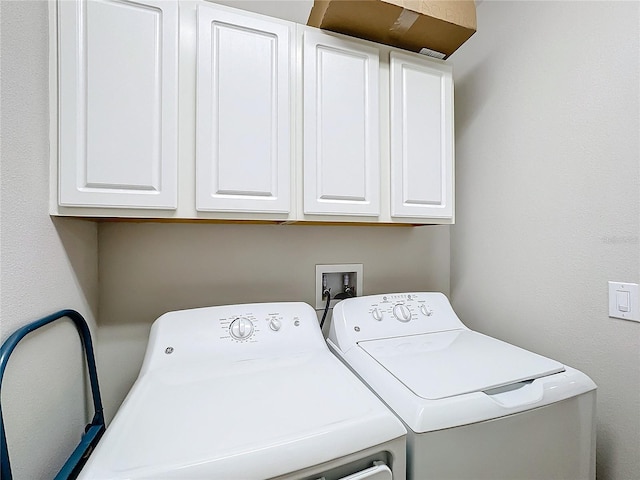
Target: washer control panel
234	333
401	310
400	307
391	315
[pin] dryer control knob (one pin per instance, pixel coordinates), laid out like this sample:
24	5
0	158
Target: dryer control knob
425	310
275	324
241	328
376	314
402	313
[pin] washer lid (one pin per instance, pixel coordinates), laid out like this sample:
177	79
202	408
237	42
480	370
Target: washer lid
446	364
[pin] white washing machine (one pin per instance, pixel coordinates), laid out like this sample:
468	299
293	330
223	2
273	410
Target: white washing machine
247	392
474	407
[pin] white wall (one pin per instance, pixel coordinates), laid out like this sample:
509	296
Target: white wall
547	164
147	269
292	10
46	265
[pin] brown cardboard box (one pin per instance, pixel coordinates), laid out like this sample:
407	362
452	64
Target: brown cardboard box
437	25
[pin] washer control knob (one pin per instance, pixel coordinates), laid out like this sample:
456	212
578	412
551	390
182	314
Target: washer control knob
275	324
241	328
425	310
401	312
376	314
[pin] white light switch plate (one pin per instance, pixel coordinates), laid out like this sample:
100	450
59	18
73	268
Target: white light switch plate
623	301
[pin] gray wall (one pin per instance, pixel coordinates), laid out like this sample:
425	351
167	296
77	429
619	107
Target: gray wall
46	265
547	164
147	269
546	106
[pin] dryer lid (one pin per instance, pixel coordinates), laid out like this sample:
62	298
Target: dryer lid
252	419
446	364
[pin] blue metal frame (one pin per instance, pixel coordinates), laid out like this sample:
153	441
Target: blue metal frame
93	431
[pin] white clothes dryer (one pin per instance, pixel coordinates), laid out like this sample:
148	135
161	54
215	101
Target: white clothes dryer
247	392
474	407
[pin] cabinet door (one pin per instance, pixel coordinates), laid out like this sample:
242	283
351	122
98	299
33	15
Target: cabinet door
341	127
243	112
421	138
118	80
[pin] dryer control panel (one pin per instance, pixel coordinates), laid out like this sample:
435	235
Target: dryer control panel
233	333
391	315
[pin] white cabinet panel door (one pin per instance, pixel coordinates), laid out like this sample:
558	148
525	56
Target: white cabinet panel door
243	119
341	127
421	138
118	81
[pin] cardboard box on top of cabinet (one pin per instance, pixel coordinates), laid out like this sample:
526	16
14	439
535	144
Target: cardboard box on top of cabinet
437	26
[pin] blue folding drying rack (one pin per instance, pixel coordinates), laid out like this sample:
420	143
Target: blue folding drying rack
93	430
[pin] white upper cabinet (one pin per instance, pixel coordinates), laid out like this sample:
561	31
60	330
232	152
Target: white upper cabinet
341	166
421	105
193	110
243	112
117	104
